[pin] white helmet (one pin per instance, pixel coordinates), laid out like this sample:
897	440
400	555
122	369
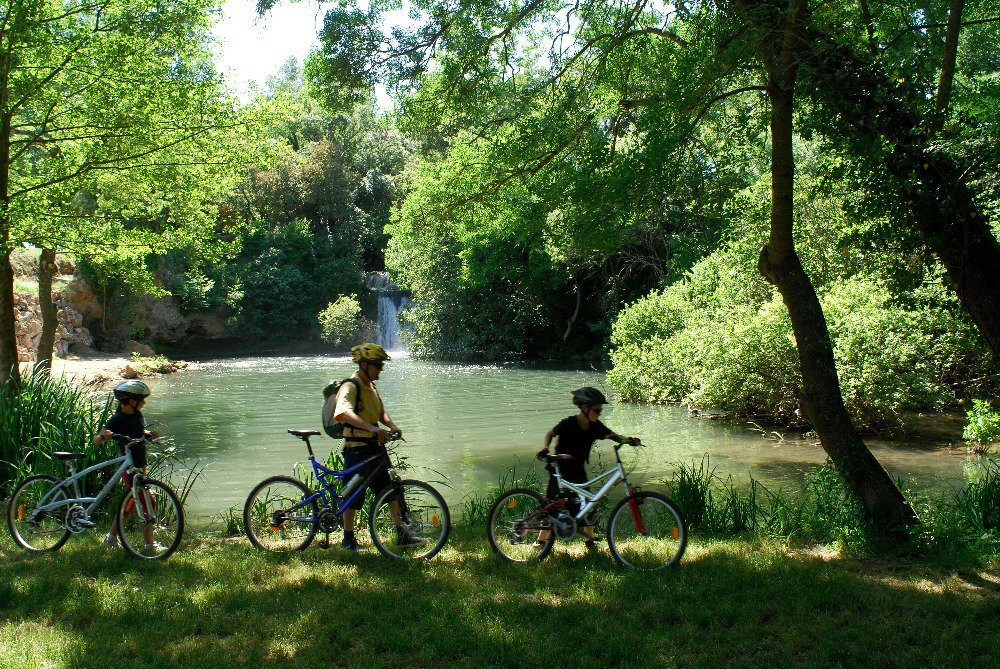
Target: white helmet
132	389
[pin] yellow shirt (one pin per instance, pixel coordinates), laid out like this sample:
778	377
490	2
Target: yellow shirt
371	407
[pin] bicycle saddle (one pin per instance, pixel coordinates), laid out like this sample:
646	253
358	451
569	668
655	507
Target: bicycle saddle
304	434
558	456
63	455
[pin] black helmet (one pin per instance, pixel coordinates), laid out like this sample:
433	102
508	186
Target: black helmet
133	389
588	395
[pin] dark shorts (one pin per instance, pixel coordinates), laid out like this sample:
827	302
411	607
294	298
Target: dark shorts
355	455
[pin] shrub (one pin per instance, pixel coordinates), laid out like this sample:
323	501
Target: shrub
722	339
984	424
340	321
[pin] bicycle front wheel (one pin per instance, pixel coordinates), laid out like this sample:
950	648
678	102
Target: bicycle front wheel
38	530
409	520
275	518
518	530
150	520
648	533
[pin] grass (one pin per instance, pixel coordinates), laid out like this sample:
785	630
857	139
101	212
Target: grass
220	603
30	286
50	413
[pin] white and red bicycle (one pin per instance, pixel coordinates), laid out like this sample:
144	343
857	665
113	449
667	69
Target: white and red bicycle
645	530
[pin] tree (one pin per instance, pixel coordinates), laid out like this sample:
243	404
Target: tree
602	64
114	99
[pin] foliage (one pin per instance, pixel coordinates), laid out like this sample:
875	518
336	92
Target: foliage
978	503
822	512
311	216
983	425
339	321
721	337
50	413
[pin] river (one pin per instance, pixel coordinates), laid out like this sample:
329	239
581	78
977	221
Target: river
465	425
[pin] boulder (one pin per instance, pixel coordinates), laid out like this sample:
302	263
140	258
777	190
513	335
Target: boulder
144	350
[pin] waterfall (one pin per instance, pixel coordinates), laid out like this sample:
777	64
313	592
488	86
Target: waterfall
387	332
391	300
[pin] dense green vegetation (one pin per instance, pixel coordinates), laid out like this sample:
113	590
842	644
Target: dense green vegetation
48	414
721	337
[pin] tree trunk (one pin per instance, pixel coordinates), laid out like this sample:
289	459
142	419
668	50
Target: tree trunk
50	321
9	370
883	504
870	108
948	61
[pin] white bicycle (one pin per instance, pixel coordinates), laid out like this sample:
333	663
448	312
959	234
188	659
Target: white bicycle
645	530
44	512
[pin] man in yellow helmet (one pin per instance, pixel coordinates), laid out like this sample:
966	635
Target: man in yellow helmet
360	409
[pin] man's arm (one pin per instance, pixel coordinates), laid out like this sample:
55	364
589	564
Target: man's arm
387	421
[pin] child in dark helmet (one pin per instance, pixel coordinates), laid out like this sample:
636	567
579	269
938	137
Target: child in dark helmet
576	436
127	421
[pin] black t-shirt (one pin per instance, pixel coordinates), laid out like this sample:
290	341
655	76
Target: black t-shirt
574	440
129	424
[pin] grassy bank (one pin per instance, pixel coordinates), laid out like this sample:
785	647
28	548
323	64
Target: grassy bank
219	603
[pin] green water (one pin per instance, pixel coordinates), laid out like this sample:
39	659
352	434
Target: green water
465	425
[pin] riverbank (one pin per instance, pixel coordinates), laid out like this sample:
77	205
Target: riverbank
101	369
219	603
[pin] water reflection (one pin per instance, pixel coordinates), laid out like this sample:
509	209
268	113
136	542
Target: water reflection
465	425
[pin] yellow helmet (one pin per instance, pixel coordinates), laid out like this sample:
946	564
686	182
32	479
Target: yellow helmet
369	353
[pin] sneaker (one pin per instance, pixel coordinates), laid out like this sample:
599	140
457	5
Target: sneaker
352	545
404	538
155	547
111	540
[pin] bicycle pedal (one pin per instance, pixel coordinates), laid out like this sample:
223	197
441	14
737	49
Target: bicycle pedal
86	522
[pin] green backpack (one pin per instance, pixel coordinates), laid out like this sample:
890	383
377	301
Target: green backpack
330	424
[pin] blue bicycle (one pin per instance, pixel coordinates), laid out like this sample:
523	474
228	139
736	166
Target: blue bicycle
283	515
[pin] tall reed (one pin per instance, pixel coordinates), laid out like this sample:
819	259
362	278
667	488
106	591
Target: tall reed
45	414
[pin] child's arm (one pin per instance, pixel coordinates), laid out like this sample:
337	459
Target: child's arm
548	440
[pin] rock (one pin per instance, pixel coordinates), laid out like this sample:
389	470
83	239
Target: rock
129	372
145	350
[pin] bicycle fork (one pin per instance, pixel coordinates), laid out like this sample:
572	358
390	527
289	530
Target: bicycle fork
633	505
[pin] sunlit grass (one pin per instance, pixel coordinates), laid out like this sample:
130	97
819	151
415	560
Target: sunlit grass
220	603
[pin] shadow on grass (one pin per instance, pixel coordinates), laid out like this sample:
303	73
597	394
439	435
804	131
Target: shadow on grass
221	604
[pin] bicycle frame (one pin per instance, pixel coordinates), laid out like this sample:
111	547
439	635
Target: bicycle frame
589	500
325	474
46	505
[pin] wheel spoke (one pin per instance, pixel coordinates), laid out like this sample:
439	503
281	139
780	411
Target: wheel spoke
517	529
33	529
274	516
647	533
150	520
409	521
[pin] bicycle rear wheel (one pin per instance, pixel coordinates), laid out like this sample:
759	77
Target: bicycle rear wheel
274	517
409	520
516	525
649	534
44	531
150	520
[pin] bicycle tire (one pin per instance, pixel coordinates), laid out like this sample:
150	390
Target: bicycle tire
253	526
16	508
500	513
175	518
659	547
424	511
